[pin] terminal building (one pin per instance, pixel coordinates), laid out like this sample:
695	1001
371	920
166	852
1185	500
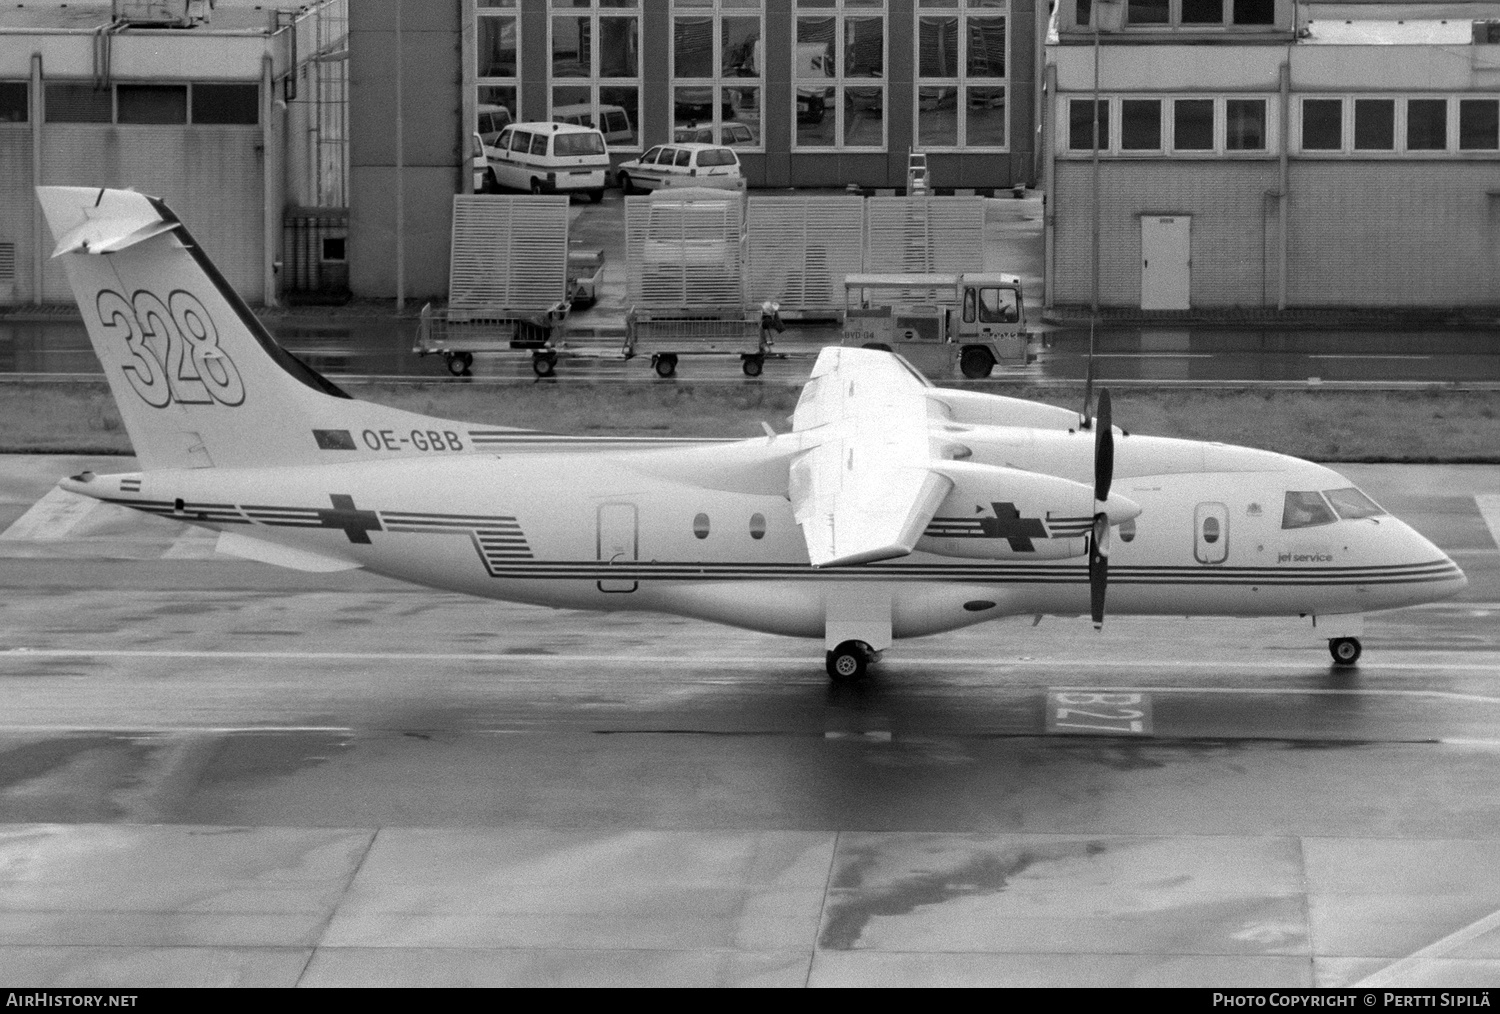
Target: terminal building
232	112
1271	154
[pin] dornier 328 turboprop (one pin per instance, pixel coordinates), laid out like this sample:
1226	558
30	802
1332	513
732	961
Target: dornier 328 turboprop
892	509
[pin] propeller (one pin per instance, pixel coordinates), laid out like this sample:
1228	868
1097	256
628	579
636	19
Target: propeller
1104	468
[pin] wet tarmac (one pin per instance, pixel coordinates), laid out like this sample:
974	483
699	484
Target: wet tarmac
215	772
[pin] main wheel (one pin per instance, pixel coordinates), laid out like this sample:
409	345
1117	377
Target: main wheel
1345	650
666	364
626	187
976	362
543	365
848	662
752	365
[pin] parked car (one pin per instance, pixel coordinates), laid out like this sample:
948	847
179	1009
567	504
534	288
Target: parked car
613	121
732	134
683	165
550	158
491	120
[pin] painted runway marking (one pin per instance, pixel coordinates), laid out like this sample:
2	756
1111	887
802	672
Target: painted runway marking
1399	973
1365	356
1489	509
1098	713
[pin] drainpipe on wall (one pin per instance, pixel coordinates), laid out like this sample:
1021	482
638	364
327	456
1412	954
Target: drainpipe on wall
1049	193
400	176
1285	182
270	219
1038	83
38	226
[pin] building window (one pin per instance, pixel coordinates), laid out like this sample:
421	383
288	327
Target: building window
226	104
1140	124
14	99
596	66
1426	124
1081	127
962	74
497	67
839	69
718	68
1322	124
1154	14
1478	124
1193	125
79	103
1244	124
1375	124
153	104
1255	12
1202	12
1148	12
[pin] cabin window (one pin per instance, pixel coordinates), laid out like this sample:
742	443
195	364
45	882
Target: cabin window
1351	503
700	526
757	526
1127	530
1306	510
1210	530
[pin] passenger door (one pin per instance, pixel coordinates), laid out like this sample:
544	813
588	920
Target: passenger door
1211	533
618	543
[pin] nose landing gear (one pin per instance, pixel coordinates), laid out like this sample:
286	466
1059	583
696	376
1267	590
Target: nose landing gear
1345	650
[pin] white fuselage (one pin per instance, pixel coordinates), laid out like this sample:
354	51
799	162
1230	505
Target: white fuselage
707	531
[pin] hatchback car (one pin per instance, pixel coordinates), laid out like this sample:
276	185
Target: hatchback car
683	165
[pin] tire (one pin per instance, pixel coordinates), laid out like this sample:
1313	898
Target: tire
626	187
752	365
491	183
459	363
1345	650
665	364
543	365
848	662
595	196
976	362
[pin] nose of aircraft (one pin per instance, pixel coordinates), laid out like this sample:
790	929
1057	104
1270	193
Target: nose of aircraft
1431	571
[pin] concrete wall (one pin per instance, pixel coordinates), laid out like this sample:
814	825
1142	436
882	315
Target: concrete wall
432	150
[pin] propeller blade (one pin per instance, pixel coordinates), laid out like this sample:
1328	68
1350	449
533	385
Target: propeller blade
1098	568
1104	450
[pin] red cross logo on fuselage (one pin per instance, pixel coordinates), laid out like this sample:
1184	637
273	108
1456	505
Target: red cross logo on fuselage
357	524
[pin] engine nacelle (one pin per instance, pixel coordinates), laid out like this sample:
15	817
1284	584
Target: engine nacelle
996	513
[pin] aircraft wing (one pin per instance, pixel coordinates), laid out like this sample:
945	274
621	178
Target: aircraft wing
864	490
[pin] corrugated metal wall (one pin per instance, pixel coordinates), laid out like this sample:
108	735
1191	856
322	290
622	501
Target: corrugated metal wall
1382	233
209	176
17	200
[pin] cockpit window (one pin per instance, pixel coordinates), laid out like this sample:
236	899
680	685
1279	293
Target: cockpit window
1351	503
1306	510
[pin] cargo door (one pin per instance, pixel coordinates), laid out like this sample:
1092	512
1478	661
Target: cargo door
619	543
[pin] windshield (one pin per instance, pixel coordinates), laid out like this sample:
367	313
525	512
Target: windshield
1351	503
998	306
1306	510
578	144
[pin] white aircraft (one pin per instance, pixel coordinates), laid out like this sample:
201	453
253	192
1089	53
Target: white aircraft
892	509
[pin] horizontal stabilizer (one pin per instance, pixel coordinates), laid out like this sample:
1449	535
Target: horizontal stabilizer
94	221
246	548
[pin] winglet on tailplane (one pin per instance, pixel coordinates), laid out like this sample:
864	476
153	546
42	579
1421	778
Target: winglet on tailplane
198	379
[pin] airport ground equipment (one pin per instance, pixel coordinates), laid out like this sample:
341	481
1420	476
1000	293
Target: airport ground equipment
918	183
798	250
513	278
685	280
974	321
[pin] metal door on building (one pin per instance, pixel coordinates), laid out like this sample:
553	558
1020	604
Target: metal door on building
1166	262
618	542
1211	533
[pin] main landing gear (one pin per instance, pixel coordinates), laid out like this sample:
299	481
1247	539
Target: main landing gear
850	661
1345	650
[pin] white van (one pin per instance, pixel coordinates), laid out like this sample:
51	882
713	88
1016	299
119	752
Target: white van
491	120
550	158
614	121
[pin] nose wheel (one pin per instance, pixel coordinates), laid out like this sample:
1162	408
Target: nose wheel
1345	650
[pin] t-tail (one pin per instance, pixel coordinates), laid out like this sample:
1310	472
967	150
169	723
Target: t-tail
198	379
